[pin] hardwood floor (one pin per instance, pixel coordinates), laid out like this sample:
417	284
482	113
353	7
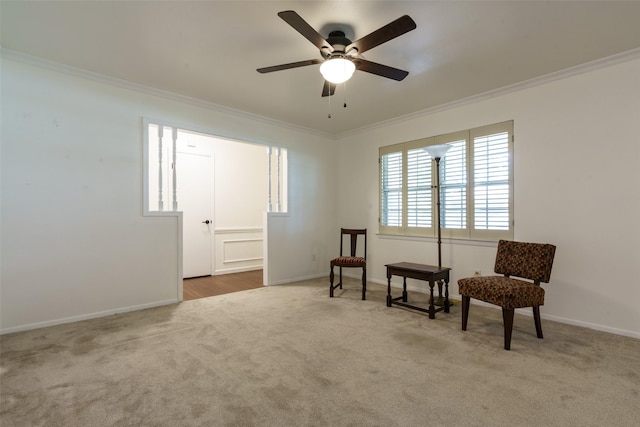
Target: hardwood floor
202	287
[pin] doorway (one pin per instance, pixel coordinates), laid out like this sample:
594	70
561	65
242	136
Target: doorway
246	179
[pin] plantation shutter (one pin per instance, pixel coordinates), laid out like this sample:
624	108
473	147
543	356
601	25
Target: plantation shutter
419	211
391	189
492	182
453	186
491	178
476	185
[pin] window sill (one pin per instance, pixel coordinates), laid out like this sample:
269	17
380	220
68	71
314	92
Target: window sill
448	240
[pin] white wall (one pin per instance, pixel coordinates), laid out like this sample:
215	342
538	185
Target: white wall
74	242
299	232
576	159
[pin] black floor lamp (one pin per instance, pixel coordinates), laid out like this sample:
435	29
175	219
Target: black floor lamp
437	152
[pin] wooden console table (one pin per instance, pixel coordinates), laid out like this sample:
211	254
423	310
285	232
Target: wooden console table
428	273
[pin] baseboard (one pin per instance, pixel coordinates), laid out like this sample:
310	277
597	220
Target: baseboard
573	322
593	326
85	317
299	279
523	311
529	313
238	270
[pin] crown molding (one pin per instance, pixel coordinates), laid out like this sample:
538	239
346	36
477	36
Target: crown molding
147	90
597	64
608	61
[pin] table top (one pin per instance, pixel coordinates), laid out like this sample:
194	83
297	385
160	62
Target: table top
422	268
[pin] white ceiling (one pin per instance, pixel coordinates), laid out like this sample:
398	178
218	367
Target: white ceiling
210	50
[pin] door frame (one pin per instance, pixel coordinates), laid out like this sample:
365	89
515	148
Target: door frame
149	211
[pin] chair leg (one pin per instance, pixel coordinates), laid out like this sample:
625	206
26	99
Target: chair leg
331	277
364	283
507	317
465	311
536	319
340	278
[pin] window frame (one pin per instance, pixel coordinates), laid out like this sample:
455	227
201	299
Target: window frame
469	232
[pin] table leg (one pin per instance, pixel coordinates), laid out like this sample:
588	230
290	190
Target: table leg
388	289
439	300
432	308
446	296
404	289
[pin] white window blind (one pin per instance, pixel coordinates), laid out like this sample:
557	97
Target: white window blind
391	189
419	207
476	185
491	181
453	186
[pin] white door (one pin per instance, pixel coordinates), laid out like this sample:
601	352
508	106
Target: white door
194	183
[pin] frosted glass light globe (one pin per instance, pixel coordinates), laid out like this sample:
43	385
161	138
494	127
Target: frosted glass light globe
337	70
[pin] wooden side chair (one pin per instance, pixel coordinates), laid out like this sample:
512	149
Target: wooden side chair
350	261
531	261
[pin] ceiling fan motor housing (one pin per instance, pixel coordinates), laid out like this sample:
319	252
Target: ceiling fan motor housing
339	42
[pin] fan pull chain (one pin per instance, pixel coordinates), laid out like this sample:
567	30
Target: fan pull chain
329	116
345	95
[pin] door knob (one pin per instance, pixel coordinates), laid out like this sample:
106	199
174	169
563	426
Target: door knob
206	222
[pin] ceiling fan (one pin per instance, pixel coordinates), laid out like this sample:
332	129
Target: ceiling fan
342	56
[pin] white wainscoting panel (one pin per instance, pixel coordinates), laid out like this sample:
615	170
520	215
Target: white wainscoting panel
238	249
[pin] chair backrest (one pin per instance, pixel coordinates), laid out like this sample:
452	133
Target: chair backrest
353	233
528	260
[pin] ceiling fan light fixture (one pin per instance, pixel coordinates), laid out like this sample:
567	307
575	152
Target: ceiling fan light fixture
337	70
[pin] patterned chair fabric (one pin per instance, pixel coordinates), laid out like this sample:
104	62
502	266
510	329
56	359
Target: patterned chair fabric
528	260
348	261
503	291
351	260
531	261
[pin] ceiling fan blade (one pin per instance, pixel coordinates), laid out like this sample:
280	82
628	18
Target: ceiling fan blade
380	70
402	25
328	89
290	65
301	26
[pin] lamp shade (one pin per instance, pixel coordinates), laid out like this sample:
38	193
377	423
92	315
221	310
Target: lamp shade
437	151
337	70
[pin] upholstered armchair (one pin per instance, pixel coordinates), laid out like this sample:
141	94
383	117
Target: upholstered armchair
531	261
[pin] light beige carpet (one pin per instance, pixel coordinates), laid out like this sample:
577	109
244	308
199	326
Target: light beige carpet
291	356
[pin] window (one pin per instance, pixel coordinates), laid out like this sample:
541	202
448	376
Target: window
392	189
167	147
476	185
